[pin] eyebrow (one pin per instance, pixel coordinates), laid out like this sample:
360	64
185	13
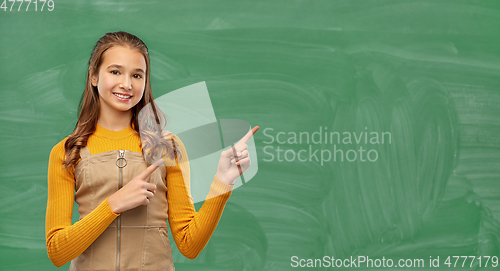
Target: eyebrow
120	67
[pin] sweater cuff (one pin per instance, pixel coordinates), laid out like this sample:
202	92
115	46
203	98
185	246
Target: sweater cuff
106	210
219	188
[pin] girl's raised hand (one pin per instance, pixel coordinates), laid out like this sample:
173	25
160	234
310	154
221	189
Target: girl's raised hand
137	192
233	162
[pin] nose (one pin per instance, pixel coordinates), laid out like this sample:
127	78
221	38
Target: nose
126	83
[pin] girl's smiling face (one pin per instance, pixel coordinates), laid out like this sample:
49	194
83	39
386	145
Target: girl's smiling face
121	80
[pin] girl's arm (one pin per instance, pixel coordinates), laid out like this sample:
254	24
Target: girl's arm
191	230
65	241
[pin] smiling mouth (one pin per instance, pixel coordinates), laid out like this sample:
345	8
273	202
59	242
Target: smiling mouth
122	96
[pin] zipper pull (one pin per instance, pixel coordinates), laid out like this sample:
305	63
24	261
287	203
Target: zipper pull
121	159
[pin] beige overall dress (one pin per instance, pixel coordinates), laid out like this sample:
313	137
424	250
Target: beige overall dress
135	240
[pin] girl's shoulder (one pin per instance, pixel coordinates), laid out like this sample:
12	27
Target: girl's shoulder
60	146
58	153
174	148
172	138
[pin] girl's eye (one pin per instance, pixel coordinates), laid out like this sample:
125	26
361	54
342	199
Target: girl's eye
138	76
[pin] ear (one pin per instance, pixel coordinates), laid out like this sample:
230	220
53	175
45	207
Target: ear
93	79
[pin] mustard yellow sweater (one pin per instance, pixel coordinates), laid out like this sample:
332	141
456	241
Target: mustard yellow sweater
191	230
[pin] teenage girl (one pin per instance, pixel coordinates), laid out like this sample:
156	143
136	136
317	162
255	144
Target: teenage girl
124	201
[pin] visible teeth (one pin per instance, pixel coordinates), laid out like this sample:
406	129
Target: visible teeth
122	96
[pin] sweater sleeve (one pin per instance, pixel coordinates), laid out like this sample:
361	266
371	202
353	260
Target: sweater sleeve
192	230
65	241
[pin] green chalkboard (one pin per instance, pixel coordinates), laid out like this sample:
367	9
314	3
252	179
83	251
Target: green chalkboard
379	123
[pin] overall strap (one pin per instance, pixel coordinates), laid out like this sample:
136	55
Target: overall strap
84	152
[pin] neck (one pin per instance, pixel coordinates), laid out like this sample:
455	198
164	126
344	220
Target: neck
115	120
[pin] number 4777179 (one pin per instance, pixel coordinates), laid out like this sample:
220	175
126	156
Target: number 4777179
34	5
481	261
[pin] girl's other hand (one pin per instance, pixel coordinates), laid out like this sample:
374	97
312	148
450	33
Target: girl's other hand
137	192
233	162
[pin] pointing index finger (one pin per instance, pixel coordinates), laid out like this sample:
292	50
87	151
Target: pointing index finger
148	171
249	135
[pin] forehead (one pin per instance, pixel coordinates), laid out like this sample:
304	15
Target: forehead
123	56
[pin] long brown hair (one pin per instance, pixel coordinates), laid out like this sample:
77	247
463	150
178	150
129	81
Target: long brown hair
89	103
